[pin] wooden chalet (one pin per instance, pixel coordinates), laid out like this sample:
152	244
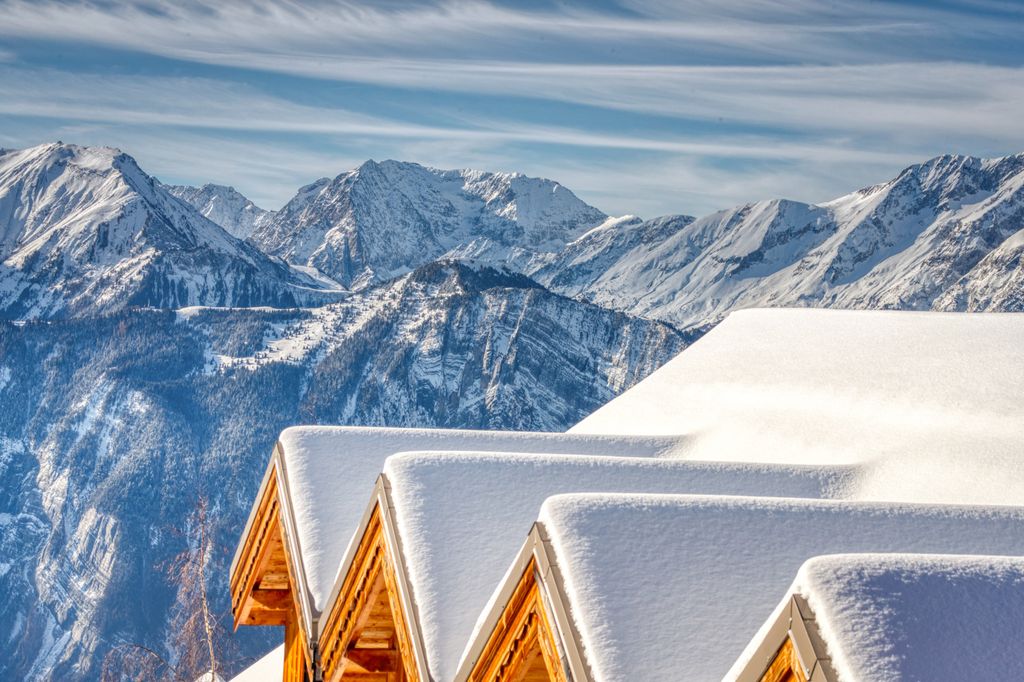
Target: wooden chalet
792	650
370	632
312	498
529	635
828	408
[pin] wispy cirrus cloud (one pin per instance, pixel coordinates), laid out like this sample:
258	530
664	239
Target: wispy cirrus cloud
210	104
734	98
318	38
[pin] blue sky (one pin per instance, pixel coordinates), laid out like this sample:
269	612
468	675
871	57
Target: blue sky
654	107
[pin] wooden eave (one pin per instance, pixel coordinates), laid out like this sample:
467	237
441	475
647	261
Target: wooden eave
261	584
528	623
792	650
371	631
267	581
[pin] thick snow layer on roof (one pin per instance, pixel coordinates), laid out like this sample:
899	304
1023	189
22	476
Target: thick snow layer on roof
663	583
330	473
934	402
267	669
463	517
897	618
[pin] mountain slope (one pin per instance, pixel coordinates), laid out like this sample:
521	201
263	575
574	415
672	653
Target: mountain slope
83	230
114	430
943	234
225	206
383	219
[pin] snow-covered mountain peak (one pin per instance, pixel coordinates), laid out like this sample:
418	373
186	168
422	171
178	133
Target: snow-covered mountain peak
54	188
225	206
384	218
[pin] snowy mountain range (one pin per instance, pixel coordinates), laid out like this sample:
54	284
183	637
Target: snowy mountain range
946	235
86	231
154	339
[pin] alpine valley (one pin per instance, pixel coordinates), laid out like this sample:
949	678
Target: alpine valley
155	339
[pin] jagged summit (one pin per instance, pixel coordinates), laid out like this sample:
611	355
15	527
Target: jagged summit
225	206
84	229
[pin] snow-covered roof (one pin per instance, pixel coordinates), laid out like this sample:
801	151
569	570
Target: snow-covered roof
656	584
266	669
933	402
330	473
462	518
902	617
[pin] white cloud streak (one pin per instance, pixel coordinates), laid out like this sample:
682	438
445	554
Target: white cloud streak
847	89
204	103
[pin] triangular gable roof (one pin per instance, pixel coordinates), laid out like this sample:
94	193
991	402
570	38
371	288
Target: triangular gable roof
656	584
461	518
323	475
902	617
816	386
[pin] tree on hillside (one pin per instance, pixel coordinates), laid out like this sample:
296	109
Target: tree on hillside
199	640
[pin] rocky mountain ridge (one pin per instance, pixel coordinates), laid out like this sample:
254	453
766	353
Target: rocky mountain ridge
382	219
118	423
942	235
945	234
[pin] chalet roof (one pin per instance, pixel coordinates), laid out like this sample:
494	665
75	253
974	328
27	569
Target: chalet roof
902	617
933	403
328	473
462	517
266	669
656	584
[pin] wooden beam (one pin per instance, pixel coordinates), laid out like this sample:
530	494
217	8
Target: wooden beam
258	616
372	660
272	600
786	666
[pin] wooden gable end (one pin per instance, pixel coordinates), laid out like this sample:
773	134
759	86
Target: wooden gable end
522	646
366	635
527	634
792	650
263	585
785	667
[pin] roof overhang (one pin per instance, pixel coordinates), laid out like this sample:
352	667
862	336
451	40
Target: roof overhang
536	556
